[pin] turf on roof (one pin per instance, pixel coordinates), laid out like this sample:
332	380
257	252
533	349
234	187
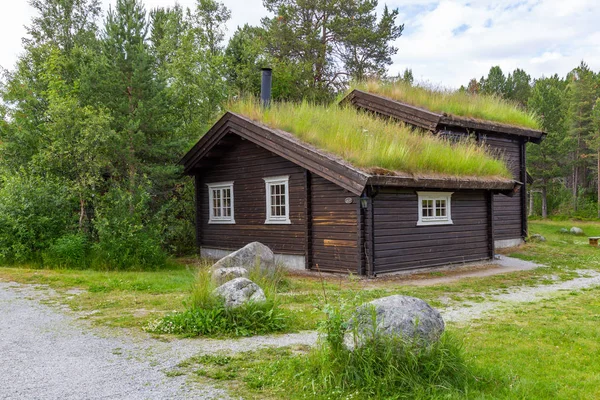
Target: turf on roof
372	143
487	108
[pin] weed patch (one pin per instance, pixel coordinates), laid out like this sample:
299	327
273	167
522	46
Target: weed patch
206	314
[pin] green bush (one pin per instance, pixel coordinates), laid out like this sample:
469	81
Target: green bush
69	251
34	212
176	216
127	237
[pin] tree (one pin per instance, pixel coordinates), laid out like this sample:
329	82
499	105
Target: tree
77	142
583	87
518	87
331	41
495	83
547	160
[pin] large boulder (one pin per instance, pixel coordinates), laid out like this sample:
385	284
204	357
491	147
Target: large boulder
252	255
240	291
221	275
576	231
406	317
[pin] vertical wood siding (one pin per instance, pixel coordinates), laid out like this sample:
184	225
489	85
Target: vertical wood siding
400	244
334	227
508	210
247	164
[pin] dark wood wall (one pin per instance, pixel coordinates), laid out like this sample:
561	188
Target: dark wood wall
400	244
247	164
508	211
335	235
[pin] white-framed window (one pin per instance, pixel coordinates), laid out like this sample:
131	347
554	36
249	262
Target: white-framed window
278	200
220	200
435	208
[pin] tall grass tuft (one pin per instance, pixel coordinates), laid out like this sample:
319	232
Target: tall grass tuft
490	108
380	368
206	314
375	144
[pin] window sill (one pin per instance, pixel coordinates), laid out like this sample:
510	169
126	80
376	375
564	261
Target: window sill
232	222
283	222
428	223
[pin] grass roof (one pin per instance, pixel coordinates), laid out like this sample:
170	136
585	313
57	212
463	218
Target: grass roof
373	143
488	108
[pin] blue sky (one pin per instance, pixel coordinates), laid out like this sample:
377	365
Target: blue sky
445	43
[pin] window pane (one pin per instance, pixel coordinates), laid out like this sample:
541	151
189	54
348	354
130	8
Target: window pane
440	208
216	202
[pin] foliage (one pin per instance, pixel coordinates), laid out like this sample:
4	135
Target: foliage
459	103
379	369
206	314
34	212
176	220
128	238
371	142
247	320
69	251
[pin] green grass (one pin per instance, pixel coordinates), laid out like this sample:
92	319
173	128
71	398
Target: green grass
544	350
376	145
489	108
207	315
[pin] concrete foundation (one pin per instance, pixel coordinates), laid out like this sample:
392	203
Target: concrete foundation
502	244
287	260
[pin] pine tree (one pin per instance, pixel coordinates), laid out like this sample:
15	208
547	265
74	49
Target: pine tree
547	160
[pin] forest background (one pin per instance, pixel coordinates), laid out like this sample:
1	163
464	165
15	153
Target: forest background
100	107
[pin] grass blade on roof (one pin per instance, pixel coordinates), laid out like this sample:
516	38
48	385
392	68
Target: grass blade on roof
375	144
454	102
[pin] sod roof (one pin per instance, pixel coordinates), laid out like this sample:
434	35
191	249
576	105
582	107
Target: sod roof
453	103
375	145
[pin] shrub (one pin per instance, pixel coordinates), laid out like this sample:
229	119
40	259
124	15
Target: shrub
69	251
34	212
176	220
127	237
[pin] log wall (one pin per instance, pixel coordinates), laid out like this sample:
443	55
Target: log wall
400	244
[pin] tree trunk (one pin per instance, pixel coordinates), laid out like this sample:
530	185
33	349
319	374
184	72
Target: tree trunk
545	200
598	185
81	212
530	210
575	181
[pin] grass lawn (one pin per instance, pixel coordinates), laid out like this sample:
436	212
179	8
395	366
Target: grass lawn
546	350
132	299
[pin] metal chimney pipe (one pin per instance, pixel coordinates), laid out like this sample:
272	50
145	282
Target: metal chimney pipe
265	87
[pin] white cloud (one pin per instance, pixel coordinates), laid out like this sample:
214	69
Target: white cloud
541	36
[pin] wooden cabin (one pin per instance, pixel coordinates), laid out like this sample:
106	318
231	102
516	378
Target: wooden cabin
317	211
510	213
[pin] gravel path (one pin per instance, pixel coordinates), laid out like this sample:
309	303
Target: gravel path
468	311
48	354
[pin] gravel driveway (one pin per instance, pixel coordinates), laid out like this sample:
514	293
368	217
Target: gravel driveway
48	354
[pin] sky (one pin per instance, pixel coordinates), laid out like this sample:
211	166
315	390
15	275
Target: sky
445	43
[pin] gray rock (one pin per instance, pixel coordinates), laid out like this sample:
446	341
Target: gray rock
576	231
400	316
240	291
221	275
252	255
563	230
537	238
